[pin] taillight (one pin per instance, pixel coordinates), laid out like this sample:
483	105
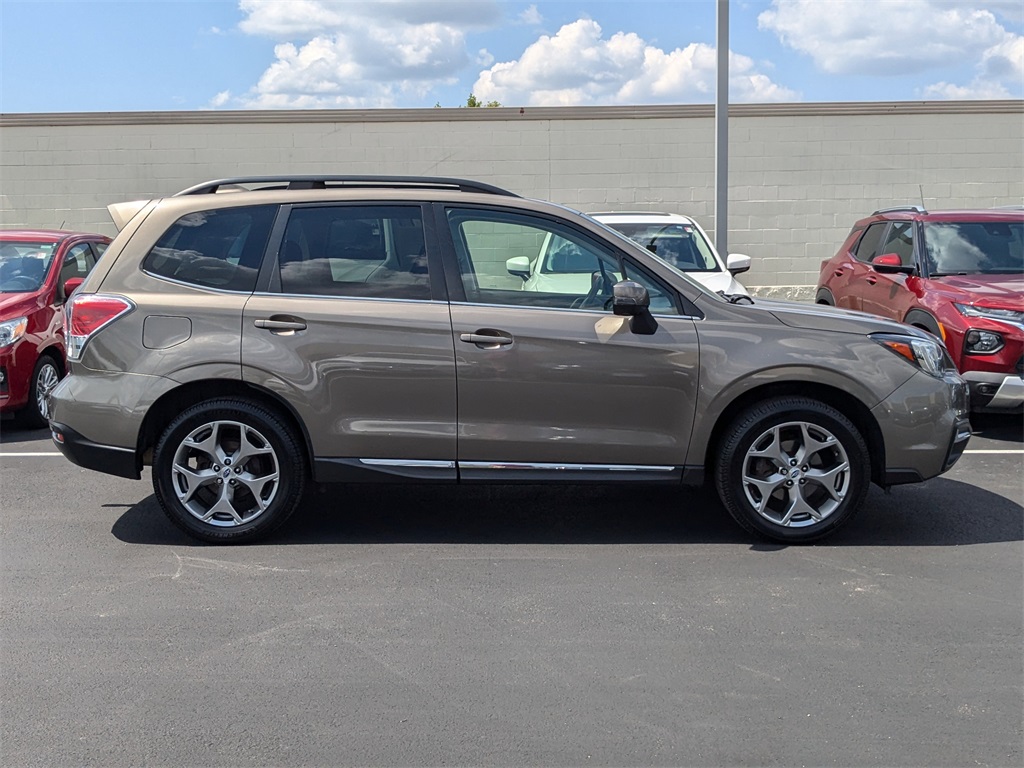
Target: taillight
85	314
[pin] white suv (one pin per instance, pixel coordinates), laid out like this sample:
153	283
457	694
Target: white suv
680	241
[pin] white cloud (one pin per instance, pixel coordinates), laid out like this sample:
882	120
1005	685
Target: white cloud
531	16
578	66
901	37
343	53
873	38
221	99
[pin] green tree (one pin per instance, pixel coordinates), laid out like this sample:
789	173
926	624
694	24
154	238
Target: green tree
473	101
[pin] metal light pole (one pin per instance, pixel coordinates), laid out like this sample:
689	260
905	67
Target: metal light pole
722	133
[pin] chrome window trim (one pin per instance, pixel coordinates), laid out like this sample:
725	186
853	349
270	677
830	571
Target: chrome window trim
601	312
196	286
331	297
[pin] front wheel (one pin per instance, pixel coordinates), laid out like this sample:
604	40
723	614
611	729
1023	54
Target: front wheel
792	470
45	377
228	471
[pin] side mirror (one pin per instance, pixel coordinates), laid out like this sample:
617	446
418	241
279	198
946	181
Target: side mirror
890	264
630	299
519	266
70	285
737	263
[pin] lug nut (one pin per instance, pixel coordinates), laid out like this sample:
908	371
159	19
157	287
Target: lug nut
789	483
216	468
227	462
792	462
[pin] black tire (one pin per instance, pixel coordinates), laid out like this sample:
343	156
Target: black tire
792	470
45	375
220	488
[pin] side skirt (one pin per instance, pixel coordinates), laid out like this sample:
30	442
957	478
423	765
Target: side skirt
429	471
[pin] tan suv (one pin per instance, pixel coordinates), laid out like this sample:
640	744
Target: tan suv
248	336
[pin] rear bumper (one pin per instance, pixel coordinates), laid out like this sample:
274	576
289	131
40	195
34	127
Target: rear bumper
109	459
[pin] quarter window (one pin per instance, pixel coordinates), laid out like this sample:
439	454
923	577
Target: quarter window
356	251
214	249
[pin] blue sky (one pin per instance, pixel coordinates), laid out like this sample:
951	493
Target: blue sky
88	55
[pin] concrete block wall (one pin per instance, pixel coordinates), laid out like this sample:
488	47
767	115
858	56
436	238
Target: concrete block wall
799	175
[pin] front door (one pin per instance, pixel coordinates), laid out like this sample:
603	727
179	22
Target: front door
549	380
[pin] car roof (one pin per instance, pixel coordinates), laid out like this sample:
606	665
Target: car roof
44	235
916	213
641	217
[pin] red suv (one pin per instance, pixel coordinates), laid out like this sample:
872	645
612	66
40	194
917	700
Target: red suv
38	270
956	274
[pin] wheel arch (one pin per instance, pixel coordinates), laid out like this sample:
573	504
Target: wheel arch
925	321
842	401
824	296
171	403
54	352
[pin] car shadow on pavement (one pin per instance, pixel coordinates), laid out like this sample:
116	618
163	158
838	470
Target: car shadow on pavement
940	513
1004	427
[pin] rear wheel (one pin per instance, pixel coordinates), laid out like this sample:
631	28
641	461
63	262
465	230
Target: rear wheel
228	471
792	470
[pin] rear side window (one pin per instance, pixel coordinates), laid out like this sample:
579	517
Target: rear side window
357	251
214	249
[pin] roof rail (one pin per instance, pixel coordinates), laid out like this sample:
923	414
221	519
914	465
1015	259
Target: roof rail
358	182
901	208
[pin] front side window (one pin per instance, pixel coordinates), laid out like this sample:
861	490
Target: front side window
681	245
521	260
994	248
77	263
214	249
867	248
900	240
23	266
357	251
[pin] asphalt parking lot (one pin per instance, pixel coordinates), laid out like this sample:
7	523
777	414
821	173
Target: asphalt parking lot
511	626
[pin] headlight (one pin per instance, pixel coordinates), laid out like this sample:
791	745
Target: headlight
1005	315
12	330
982	342
927	354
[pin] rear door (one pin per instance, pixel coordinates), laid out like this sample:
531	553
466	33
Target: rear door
550	381
351	326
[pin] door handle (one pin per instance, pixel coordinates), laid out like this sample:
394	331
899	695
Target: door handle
280	325
491	339
871	280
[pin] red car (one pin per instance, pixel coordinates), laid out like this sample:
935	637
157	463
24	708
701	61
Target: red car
38	270
956	274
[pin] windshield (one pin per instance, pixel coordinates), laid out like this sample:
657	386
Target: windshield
680	245
975	247
23	266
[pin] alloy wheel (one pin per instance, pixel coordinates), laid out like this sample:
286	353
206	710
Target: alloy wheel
225	473
796	474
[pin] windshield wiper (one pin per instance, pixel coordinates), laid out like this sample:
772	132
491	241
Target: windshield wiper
735	298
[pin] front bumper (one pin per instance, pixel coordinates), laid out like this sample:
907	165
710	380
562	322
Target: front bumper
109	459
925	428
995	391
